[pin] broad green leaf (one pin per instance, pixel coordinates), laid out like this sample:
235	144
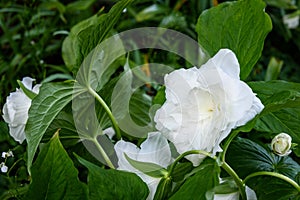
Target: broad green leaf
271	188
197	185
180	170
52	98
282	108
246	157
65	123
112	184
241	26
54	175
151	169
139	106
120	102
87	34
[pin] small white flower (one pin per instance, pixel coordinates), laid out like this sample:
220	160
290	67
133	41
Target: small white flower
155	149
15	110
10	154
290	21
4	168
281	144
3	154
203	105
7	154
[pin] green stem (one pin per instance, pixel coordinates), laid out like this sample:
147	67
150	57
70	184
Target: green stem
188	153
236	178
13	166
107	110
227	143
103	153
274	174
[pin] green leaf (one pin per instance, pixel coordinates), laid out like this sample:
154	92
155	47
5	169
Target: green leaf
274	68
4	136
120	102
203	180
270	188
151	169
87	34
160	97
52	98
65	123
282	108
112	184
164	188
180	170
139	106
246	157
28	92
54	175
241	26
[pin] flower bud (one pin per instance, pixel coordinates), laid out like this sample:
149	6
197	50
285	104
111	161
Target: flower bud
281	144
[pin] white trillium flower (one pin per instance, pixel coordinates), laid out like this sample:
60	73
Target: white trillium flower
281	144
203	105
15	110
155	149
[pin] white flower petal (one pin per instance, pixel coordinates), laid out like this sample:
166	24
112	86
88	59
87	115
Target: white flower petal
203	105
154	145
227	61
110	132
15	110
250	194
155	150
27	82
17	132
3	154
131	151
231	196
235	195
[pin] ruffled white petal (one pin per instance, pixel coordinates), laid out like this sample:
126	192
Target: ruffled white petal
203	105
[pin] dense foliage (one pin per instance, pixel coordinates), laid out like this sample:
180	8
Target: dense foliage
52	41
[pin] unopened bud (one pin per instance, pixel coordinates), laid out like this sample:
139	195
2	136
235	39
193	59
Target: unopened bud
281	144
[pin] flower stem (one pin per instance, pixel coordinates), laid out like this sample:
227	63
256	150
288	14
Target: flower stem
274	174
227	143
236	178
188	153
108	111
103	153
